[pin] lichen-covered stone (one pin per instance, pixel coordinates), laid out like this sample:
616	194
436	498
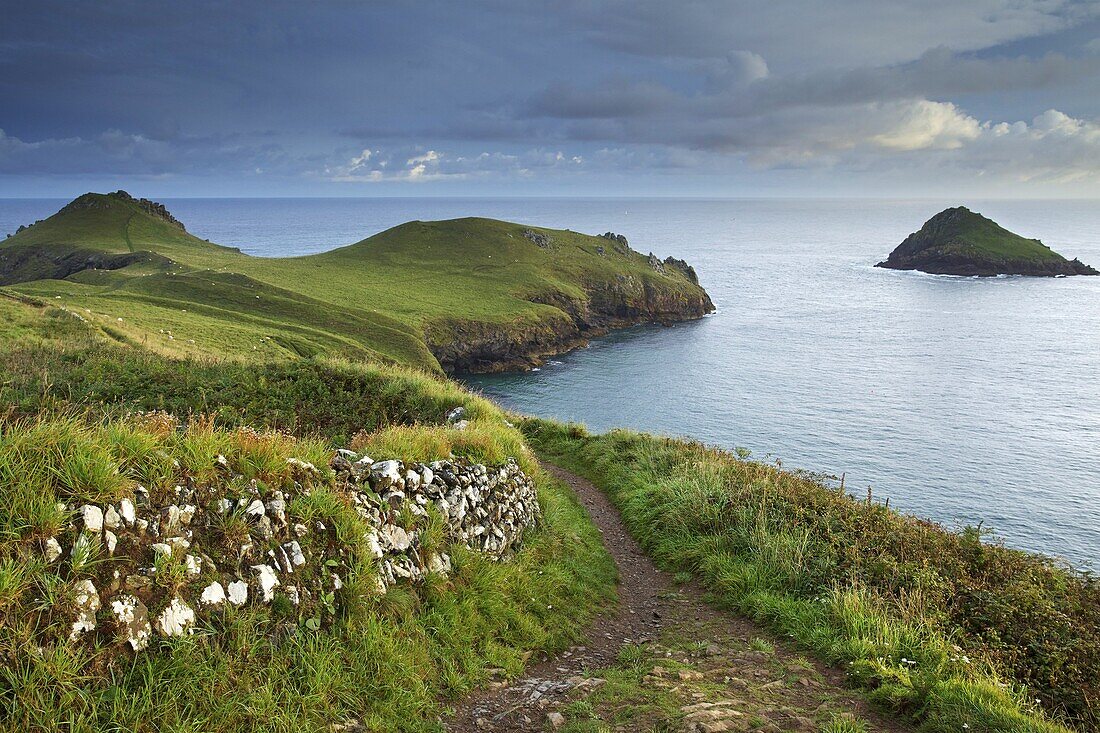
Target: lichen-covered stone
178	619
85	604
132	618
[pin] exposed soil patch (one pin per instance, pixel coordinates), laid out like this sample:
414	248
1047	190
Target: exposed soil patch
665	660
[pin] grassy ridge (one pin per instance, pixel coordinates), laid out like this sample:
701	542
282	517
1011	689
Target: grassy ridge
939	626
387	298
978	233
387	662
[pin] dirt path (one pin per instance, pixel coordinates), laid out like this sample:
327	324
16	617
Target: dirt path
664	660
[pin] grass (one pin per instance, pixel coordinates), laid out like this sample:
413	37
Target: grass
623	701
386	662
977	233
50	360
87	421
393	297
937	626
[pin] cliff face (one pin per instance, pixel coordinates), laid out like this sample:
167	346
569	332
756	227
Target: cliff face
476	347
958	241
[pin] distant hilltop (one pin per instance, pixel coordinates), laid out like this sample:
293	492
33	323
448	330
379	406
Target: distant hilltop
100	201
958	241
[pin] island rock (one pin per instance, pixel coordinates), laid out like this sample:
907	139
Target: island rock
959	241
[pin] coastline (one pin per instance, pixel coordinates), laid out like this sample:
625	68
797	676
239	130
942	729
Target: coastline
474	347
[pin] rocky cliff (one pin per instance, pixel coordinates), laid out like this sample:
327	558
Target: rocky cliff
626	300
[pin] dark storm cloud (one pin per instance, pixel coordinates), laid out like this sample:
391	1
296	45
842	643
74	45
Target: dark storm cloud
283	95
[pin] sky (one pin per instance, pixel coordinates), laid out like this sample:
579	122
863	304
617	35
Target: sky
877	98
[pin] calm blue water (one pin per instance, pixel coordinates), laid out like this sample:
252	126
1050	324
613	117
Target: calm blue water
963	400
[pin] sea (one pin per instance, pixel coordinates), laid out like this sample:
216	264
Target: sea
969	401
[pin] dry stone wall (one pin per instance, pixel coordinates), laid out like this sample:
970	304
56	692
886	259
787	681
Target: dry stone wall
163	563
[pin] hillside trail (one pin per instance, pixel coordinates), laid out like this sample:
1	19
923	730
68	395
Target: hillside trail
665	660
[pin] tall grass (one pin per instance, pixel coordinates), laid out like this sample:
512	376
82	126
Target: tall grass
88	421
333	398
386	662
952	631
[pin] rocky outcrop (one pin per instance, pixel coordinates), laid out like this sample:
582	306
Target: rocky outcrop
94	201
164	563
683	267
25	264
628	298
958	241
540	239
477	347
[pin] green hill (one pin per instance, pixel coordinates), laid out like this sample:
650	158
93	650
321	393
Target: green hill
466	294
959	241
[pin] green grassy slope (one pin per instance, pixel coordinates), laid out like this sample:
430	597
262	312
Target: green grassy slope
392	297
70	433
958	633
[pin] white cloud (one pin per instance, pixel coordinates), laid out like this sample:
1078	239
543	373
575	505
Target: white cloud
923	125
434	165
1054	147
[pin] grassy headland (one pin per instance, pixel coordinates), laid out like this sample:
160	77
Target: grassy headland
941	626
466	294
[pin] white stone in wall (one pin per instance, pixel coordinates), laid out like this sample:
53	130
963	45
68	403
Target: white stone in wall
86	603
238	592
294	550
133	618
111	518
92	517
373	544
53	550
213	595
127	510
267	579
177	619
